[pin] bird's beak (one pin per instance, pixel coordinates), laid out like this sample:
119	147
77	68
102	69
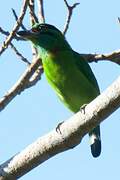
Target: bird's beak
25	34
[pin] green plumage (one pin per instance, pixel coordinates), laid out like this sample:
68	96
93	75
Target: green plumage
66	71
65	77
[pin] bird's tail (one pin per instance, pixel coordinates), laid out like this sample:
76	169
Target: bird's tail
95	141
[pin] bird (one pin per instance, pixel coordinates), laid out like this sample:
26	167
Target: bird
68	73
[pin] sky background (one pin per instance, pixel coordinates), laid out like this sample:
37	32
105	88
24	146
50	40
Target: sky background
93	29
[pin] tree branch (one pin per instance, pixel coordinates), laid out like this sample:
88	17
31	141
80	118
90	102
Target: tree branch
70	135
112	57
19	54
16	18
20	85
37	74
41	15
33	17
71	131
70	11
14	48
15	28
6	33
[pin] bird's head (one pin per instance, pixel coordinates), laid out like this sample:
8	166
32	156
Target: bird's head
45	36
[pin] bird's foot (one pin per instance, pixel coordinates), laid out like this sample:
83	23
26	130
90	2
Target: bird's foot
66	142
58	127
82	108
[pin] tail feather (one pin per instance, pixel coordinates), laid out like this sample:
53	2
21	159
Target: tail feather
95	141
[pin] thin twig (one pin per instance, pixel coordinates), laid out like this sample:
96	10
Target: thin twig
6	33
33	17
19	54
41	11
112	57
33	20
14	48
37	74
119	20
15	28
20	85
16	18
36	77
70	11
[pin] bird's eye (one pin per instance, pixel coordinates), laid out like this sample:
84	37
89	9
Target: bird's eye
35	29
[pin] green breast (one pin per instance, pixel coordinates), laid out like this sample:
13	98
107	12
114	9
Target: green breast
68	80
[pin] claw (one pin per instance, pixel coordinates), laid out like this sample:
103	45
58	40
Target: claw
58	127
82	108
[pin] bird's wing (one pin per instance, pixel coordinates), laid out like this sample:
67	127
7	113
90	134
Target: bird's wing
84	67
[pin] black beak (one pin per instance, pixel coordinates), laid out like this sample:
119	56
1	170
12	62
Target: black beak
25	34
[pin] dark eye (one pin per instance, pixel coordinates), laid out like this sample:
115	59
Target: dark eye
35	29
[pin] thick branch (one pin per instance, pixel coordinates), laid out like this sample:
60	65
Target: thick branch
15	28
70	134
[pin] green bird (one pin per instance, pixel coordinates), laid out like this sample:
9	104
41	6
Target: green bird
66	71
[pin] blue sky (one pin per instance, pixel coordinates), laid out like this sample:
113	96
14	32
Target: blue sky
93	29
